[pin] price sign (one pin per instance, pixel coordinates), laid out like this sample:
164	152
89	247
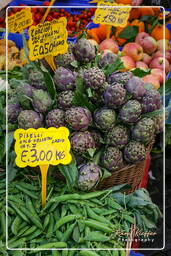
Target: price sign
20	20
49	38
115	16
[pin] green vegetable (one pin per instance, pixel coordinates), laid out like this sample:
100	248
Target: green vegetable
66	219
53	245
88	253
51	227
68	232
97	225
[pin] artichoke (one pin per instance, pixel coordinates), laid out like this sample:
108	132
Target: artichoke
30	119
81	142
78	118
97	138
88	176
119	77
97	95
36	79
94	78
151	101
112	159
144	130
65	99
13	112
114	96
117	137
104	118
41	101
24	92
130	111
134	152
65	60
55	118
135	86
158	123
84	51
107	58
64	79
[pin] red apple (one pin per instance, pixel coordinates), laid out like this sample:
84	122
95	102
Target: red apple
163	44
146	58
152	79
140	37
160	63
109	44
128	63
159	73
141	64
149	45
160	53
134	50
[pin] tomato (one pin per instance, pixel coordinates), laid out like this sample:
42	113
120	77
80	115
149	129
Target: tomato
55	15
46	3
49	18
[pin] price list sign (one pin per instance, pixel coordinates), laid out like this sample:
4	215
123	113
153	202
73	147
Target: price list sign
49	38
112	14
20	20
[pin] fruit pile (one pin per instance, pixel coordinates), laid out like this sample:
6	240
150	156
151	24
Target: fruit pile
106	111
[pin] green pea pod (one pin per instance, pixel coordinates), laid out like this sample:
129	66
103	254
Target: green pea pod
46	221
15	199
114	205
22	225
16	243
64	252
74	209
55	253
32	218
31	208
81	227
94	216
122	253
34	235
56	215
3	227
53	245
88	253
109	212
25	191
68	232
50	228
115	253
23	230
59	235
63	211
97	202
16	225
71	253
29	231
28	186
76	234
53	207
97	225
66	219
10	211
129	218
21	214
96	236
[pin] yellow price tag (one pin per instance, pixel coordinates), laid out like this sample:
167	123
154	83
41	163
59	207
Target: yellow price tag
116	16
42	147
49	38
20	20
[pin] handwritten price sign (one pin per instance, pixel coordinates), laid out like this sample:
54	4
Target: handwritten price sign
42	146
20	20
116	16
49	38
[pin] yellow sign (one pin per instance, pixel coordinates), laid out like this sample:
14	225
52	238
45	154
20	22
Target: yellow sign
42	146
49	38
20	20
112	14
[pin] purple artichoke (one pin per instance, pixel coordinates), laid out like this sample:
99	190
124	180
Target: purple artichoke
135	86
78	118
130	111
119	77
65	99
112	159
107	58
30	119
94	78
24	92
64	79
97	138
144	130
114	96
88	176
158	123
36	79
81	142
104	118
41	101
151	101
13	112
65	60
134	152
55	118
84	51
117	137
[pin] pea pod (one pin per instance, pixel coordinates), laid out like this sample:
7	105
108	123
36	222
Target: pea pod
65	220
23	230
71	253
50	228
28	186
53	207
129	218
122	253
59	235
55	253
74	209
25	191
53	245
97	236
88	253
64	252
115	253
29	231
31	208
63	211
15	225
97	225
32	218
3	221
68	232
34	235
56	215
46	221
21	214
16	243
94	216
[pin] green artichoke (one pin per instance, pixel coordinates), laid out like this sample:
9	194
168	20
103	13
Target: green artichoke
104	118
30	119
36	79
134	152
118	136
84	51
130	112
112	159
65	99
94	78
81	142
41	101
55	118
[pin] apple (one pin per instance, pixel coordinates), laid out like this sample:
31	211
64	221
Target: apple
159	73
149	45
146	58
163	44
106	51
152	79
141	64
128	63
109	44
134	50
160	53
140	37
160	63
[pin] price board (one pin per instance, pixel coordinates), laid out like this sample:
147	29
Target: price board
49	38
112	14
19	21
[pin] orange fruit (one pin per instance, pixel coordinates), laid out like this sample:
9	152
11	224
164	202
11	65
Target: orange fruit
158	32
146	11
124	1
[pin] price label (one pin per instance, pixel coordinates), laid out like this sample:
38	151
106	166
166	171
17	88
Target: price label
42	146
115	16
49	38
20	20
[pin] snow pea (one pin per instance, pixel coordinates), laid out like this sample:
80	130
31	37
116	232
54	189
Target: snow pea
94	216
68	232
97	225
88	253
66	219
53	245
25	191
50	228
